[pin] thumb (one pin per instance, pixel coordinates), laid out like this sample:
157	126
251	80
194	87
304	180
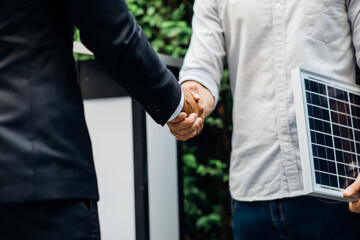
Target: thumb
353	188
194	91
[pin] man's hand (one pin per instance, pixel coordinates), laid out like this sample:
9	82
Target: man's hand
191	101
350	191
184	127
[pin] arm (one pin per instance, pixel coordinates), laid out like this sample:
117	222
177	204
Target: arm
353	7
110	32
203	65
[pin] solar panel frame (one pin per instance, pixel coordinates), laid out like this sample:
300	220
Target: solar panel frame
307	129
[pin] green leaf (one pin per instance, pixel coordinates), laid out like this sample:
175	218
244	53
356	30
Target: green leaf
208	221
151	10
189	160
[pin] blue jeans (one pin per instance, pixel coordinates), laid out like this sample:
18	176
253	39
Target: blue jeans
307	218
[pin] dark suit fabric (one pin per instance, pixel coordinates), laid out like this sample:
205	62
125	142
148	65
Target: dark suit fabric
45	149
50	220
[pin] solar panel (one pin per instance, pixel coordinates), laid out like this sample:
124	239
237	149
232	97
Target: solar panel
328	122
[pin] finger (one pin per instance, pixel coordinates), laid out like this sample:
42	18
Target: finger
184	124
199	123
196	126
194	91
186	136
353	188
182	116
354	207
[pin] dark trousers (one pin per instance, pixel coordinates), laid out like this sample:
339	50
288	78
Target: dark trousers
307	218
50	220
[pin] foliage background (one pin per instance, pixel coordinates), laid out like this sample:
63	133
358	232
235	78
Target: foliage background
167	25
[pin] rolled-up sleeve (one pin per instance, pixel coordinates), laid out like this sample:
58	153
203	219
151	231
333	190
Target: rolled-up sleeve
354	17
204	60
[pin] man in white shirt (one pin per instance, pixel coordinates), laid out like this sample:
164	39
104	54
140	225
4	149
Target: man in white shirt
263	41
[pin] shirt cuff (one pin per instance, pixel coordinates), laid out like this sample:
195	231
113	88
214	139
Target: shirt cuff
179	108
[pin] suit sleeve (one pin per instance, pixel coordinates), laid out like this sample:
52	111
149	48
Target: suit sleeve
109	30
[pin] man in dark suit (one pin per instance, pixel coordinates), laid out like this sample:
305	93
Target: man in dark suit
48	186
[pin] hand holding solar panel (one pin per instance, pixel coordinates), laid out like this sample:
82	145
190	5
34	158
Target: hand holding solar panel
328	120
352	190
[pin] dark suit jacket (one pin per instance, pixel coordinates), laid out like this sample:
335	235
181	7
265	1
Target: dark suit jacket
45	149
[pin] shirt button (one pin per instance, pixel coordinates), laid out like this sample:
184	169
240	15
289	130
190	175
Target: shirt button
278	5
280	71
278	38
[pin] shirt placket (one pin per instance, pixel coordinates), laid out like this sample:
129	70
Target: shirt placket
291	181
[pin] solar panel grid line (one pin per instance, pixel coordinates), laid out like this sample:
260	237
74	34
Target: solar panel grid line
330	98
343	145
336	149
334	174
343	169
338	180
319	119
313	105
333	161
356	105
344	132
342	150
342	113
316	131
356	145
337	100
334	124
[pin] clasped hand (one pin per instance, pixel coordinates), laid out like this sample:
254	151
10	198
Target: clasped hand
198	103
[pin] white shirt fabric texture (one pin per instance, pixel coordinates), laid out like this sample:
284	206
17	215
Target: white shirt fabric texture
263	41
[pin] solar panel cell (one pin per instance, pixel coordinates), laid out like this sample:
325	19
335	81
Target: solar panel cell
355	99
318	112
344	144
345	157
320	126
345	182
339	106
342	131
341	119
337	93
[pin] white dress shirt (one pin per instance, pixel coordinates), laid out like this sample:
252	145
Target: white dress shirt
263	40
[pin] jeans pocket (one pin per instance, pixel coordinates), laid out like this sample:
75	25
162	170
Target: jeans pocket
325	19
234	205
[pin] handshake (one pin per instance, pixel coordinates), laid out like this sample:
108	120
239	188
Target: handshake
198	104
